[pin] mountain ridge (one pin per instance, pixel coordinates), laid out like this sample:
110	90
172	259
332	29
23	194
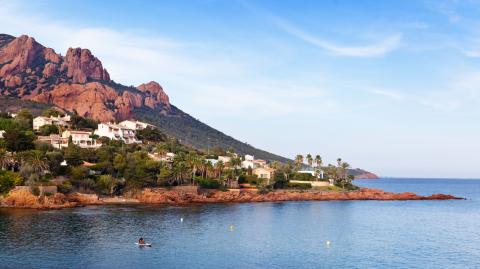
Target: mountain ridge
77	82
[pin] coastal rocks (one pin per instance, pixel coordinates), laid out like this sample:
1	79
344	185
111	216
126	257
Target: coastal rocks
25	199
164	196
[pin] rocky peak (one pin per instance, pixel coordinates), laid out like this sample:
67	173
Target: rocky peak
82	66
5	39
154	94
19	54
76	82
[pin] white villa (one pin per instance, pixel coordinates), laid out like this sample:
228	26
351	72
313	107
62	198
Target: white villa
167	157
55	140
248	162
135	125
117	132
224	159
58	121
251	162
79	138
82	139
2	132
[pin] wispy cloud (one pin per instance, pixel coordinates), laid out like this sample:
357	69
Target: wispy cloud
387	93
381	47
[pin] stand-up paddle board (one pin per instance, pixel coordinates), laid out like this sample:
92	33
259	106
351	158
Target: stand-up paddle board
143	245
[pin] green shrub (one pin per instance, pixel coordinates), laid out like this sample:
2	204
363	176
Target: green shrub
8	180
48	130
65	187
304	177
300	186
36	191
209	183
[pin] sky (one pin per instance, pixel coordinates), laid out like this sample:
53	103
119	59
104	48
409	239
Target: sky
389	86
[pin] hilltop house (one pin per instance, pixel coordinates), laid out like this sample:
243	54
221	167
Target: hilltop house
55	140
264	172
224	159
248	162
167	157
251	162
135	125
79	138
117	132
82	139
57	121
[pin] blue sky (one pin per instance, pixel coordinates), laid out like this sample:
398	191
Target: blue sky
389	86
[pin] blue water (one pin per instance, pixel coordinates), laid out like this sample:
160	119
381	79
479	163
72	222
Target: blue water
363	234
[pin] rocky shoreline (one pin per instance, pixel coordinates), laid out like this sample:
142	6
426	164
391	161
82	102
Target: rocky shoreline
24	199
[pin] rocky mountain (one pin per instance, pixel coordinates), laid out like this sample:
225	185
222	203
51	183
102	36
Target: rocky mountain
77	82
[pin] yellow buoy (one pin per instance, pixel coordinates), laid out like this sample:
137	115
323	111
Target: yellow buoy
232	228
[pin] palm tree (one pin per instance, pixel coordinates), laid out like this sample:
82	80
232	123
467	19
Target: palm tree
345	167
299	161
309	159
318	161
275	165
5	160
37	161
318	165
219	169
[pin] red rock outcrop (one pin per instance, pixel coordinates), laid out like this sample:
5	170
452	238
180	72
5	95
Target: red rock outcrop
164	196
76	82
81	66
25	199
154	94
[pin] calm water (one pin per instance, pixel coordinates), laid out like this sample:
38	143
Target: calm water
363	234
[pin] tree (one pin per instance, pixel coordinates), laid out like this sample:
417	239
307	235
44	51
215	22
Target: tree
79	122
298	161
318	161
52	112
24	119
54	160
151	134
219	166
18	140
5	159
8	180
72	155
280	181
309	159
108	184
37	161
48	129
318	166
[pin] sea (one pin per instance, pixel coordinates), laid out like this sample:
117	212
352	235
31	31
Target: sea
323	234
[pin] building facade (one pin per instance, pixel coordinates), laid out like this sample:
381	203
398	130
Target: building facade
82	139
57	121
117	132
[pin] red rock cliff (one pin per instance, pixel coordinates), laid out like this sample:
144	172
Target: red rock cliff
76	82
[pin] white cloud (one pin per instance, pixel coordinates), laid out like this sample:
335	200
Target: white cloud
387	93
382	47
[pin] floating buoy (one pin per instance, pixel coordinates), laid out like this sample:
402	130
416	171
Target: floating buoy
231	228
328	243
181	219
